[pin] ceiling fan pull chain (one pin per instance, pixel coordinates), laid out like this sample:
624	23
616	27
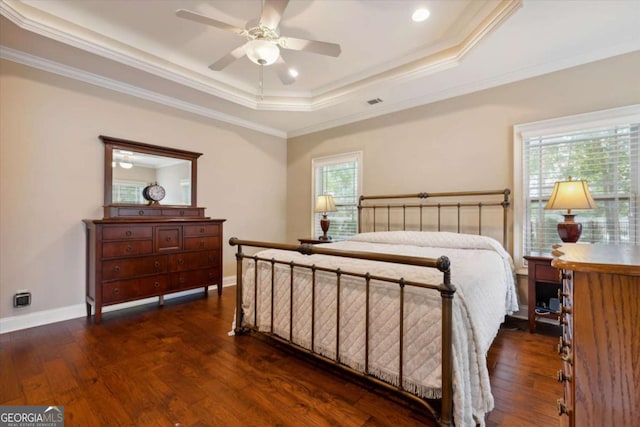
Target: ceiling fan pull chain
261	84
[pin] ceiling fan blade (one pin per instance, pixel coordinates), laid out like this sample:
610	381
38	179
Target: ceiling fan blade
272	13
323	48
229	58
283	72
193	16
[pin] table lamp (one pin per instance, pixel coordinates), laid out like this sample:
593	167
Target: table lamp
570	195
325	204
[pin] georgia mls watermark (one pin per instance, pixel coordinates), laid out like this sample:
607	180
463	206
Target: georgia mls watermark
31	416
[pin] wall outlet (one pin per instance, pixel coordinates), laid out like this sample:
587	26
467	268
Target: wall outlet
22	299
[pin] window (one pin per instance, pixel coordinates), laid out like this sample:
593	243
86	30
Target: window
341	177
128	192
601	148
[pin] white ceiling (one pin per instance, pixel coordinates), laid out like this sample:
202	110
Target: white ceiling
141	47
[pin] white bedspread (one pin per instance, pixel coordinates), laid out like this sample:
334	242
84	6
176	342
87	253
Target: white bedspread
481	270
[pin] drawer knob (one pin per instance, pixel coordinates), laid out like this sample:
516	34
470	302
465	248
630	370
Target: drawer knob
202	243
168	239
156	284
129	248
129	233
562	377
563	346
116	269
156	264
562	321
116	291
182	280
180	261
202	229
140	212
562	408
566	357
181	213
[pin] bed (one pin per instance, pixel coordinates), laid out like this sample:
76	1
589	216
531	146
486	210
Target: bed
412	302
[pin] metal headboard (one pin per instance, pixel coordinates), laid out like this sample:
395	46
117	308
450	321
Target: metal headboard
385	204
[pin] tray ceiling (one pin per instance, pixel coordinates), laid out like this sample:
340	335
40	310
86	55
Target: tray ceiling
142	48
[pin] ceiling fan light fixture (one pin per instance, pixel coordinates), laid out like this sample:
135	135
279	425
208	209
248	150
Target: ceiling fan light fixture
125	163
262	52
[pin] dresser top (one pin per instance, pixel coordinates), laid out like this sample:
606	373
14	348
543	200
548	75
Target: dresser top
156	220
613	259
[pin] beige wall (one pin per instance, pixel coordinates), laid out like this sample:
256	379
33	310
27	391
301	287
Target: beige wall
51	177
462	143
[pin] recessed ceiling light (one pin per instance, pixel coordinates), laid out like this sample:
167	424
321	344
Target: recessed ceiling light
293	72
420	15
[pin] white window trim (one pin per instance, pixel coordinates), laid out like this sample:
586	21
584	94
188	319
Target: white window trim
329	160
593	120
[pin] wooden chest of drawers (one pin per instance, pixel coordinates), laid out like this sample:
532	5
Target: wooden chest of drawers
600	343
134	259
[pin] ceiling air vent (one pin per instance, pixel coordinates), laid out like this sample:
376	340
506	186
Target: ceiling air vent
374	101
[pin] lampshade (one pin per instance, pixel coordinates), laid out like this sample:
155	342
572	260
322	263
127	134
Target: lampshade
325	204
262	52
571	195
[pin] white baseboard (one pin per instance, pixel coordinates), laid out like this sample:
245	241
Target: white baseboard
45	317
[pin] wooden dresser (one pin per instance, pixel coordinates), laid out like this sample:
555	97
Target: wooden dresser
131	259
600	343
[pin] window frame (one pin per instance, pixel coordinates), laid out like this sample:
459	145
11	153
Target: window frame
567	124
317	162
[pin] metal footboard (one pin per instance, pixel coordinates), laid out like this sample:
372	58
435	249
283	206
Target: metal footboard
446	290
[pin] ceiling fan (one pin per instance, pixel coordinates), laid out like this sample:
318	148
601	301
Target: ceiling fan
263	39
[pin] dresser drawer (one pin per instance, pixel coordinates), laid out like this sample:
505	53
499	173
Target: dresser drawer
127	232
168	238
202	230
125	290
131	267
194	278
137	212
201	243
186	212
547	273
194	260
126	248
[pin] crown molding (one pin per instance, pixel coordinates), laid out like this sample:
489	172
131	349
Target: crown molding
103	82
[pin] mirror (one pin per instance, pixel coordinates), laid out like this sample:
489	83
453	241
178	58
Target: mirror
131	166
132	171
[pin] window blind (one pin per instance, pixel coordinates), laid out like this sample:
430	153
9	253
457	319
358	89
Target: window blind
128	192
607	158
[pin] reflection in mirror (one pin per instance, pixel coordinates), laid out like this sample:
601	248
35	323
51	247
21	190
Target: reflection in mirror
133	171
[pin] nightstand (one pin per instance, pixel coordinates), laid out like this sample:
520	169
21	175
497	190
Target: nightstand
544	289
313	241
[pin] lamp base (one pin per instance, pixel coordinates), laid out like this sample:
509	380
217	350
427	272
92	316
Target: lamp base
324	224
569	230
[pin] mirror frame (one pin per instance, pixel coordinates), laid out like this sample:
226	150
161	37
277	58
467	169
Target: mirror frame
111	143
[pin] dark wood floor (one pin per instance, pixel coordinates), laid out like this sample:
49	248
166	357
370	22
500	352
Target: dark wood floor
176	366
